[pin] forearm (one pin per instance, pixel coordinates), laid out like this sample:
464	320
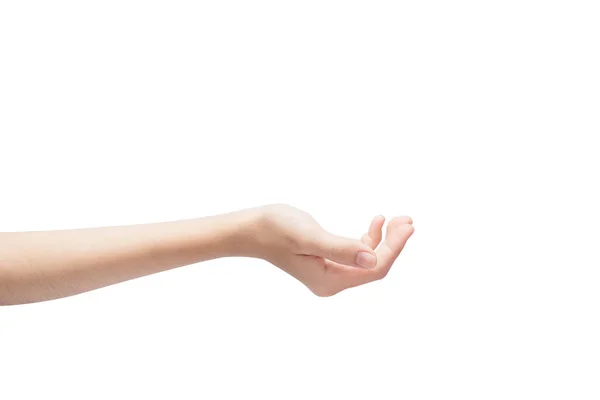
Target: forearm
37	266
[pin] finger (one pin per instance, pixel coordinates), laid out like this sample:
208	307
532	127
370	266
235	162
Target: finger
354	276
342	250
396	237
402	220
373	237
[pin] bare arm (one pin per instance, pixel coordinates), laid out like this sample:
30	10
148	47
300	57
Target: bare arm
38	266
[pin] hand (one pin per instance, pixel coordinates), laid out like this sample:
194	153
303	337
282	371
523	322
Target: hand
326	263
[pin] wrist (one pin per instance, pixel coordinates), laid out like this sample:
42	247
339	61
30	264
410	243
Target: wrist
242	233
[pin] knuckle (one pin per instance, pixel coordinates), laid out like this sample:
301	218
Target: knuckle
382	273
366	239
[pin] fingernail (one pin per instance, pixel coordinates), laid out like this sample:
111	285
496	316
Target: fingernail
366	260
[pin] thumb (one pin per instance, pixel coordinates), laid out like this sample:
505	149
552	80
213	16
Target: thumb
343	250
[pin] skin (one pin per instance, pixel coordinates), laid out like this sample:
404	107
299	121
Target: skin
40	266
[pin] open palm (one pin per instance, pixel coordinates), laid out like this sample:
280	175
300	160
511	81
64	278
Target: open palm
327	263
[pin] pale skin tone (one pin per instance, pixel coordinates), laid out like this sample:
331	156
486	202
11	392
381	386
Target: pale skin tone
45	265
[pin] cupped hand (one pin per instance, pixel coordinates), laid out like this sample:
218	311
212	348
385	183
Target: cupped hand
326	263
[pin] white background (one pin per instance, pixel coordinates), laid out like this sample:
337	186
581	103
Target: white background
476	118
